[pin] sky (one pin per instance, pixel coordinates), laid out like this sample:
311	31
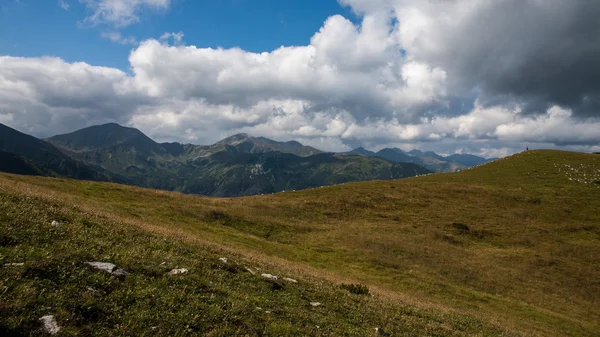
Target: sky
458	76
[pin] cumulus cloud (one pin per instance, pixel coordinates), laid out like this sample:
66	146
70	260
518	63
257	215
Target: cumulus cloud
475	76
120	13
48	95
541	53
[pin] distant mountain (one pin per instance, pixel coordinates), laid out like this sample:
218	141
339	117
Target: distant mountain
236	166
396	155
467	159
421	154
428	159
248	144
361	152
102	137
235	174
32	155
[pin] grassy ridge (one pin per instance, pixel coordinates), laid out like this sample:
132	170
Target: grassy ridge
515	242
213	299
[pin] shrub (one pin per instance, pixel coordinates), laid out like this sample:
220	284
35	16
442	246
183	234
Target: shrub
357	289
460	226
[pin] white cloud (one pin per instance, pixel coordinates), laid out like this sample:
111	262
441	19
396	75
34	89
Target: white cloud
63	4
117	37
120	13
177	37
384	82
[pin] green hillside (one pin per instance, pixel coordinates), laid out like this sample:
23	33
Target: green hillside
514	243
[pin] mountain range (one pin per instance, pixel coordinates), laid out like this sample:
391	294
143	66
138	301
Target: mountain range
430	160
236	166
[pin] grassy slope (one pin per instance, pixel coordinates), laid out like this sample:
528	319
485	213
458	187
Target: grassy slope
514	242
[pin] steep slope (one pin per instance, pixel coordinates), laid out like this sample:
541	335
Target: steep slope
13	163
515	242
46	158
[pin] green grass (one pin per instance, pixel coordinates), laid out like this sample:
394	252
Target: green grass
514	243
214	298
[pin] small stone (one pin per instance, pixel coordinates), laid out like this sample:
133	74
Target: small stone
18	264
55	223
269	276
178	271
50	325
119	272
108	267
250	271
223	259
381	332
291	280
315	304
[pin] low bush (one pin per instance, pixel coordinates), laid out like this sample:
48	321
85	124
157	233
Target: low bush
357	289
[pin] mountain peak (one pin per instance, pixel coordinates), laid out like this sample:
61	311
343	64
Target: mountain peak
362	151
101	136
235	139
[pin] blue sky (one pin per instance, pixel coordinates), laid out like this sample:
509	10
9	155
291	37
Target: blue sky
42	28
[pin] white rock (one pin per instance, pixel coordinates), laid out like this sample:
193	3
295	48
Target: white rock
178	271
250	271
55	223
50	325
315	304
223	259
291	280
18	264
269	276
108	267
